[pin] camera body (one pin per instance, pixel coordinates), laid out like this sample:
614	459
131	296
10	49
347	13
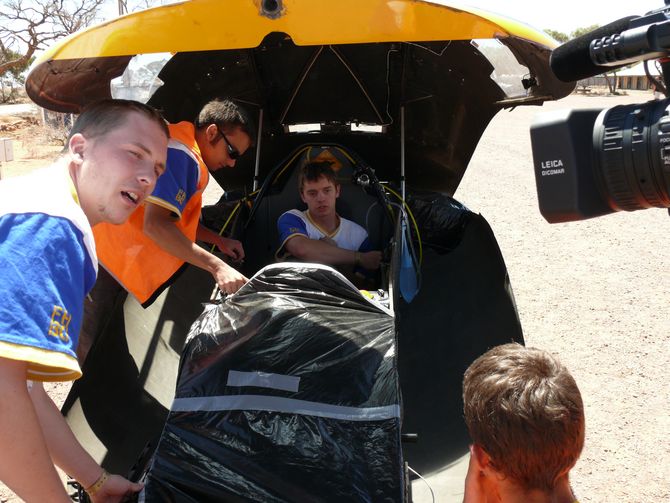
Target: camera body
592	162
563	160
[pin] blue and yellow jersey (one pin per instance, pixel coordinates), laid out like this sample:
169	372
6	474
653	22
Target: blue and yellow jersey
181	180
47	265
348	235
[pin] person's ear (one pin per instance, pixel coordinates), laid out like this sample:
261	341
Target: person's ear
479	486
337	190
211	133
302	197
76	147
482	459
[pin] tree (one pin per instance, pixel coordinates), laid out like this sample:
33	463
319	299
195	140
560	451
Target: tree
13	78
583	31
558	35
610	77
27	26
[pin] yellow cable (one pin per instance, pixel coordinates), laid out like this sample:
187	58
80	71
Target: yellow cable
351	159
237	206
309	149
411	215
232	213
290	161
230	217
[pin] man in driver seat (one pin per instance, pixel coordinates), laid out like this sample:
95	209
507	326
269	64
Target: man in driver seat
319	234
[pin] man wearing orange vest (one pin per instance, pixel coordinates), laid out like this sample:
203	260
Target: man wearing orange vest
145	254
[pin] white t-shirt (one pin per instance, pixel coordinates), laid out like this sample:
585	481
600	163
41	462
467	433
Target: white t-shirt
348	235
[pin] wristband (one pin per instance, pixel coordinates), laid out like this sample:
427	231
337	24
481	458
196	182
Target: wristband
97	485
357	258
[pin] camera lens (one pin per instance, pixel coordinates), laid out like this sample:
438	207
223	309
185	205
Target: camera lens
632	149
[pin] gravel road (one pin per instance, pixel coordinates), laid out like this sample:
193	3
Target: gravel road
596	294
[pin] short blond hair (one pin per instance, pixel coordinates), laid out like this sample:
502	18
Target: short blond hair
523	408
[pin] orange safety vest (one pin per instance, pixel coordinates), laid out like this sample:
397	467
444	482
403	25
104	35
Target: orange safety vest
132	257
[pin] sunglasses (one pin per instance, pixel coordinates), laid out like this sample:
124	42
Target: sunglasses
233	153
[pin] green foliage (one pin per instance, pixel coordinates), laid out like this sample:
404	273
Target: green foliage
564	37
12	79
583	31
7	55
558	35
610	77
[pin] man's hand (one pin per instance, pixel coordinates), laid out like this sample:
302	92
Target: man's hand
370	260
115	489
231	247
228	279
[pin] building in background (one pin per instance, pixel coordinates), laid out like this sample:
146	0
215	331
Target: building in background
635	78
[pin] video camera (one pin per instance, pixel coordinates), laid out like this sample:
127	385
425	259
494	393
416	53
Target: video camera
593	162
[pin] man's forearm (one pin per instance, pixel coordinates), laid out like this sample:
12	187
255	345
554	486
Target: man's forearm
66	451
160	227
206	235
169	238
25	464
312	250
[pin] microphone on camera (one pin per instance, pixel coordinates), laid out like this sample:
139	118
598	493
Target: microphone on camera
573	61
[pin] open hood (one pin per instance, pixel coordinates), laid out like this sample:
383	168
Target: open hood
431	73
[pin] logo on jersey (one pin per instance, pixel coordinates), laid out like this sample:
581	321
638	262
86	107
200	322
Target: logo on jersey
60	323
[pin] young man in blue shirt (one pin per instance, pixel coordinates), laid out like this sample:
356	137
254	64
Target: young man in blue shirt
319	234
114	155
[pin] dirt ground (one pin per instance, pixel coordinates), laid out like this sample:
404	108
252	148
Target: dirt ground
595	293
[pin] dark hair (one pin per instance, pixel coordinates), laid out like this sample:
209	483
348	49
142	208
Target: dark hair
313	170
226	114
524	409
103	116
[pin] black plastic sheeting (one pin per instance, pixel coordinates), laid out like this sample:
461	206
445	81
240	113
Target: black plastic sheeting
287	392
441	218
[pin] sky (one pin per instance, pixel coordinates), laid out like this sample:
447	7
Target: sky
567	15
